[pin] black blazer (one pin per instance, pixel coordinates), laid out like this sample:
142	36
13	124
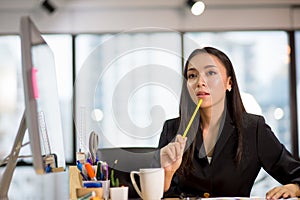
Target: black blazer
222	177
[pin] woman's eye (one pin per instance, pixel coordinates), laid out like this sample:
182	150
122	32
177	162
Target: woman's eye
210	73
191	76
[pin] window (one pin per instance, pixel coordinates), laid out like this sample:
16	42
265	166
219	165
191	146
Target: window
127	86
11	92
12	108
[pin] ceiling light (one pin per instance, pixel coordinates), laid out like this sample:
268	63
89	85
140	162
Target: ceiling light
47	5
197	7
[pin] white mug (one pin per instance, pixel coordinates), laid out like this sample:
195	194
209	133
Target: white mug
151	182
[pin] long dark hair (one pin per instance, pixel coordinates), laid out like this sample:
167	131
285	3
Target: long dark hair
234	104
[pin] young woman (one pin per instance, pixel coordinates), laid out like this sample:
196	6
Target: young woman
225	147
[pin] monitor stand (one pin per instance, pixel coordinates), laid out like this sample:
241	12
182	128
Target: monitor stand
12	160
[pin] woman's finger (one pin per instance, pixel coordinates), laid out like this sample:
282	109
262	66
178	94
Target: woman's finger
279	192
171	151
182	142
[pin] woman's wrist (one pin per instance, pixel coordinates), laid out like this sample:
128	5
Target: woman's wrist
293	188
297	189
168	179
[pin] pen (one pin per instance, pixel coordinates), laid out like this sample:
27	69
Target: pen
90	161
99	171
192	118
48	168
90	171
84	176
106	170
79	167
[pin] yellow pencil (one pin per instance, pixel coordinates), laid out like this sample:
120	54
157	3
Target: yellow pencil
192	119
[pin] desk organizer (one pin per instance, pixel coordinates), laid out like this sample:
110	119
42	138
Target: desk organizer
75	185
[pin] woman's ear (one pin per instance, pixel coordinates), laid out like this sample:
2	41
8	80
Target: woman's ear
229	84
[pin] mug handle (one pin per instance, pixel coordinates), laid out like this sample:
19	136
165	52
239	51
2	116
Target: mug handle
136	187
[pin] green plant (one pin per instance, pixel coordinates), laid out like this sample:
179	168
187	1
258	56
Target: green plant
114	181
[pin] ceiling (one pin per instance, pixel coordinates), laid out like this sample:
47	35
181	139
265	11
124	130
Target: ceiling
142	4
71	16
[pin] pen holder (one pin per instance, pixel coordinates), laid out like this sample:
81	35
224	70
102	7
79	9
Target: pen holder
75	181
105	188
90	186
76	188
80	192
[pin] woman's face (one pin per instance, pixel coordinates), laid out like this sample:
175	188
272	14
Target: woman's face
207	80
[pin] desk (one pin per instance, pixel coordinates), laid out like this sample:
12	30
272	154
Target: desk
219	198
74	181
227	198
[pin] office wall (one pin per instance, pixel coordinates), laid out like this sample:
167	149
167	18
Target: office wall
78	19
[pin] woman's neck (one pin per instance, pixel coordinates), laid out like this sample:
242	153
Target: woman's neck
210	123
210	117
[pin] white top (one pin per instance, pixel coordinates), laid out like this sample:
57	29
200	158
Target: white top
209	159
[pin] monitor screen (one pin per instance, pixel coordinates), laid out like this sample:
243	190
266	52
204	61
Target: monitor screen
42	111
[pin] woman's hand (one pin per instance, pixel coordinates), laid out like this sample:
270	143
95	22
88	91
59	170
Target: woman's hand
171	157
285	191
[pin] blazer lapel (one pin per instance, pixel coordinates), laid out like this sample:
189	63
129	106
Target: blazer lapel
226	132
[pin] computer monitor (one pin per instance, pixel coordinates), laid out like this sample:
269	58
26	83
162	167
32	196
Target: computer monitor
42	117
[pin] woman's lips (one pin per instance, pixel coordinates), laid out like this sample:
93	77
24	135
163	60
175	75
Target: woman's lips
202	94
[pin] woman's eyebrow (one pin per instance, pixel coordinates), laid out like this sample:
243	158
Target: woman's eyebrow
209	66
191	68
205	67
